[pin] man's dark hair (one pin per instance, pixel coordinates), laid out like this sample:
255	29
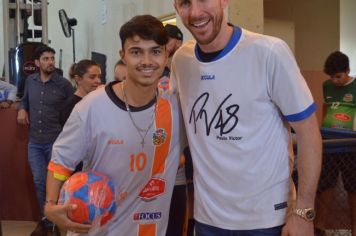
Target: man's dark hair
336	62
41	49
120	63
174	32
146	27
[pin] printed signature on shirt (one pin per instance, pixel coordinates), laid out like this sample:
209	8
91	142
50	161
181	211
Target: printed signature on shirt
224	119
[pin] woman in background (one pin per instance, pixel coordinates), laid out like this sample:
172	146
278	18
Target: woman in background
86	74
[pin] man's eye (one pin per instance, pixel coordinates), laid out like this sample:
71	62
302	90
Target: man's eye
135	52
157	52
185	3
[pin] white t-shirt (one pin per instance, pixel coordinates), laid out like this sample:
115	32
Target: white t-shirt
7	91
235	110
100	132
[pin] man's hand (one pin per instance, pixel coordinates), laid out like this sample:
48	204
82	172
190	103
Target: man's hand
58	214
22	117
296	226
5	105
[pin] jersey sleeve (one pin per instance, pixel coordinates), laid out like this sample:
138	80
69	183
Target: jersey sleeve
71	146
286	85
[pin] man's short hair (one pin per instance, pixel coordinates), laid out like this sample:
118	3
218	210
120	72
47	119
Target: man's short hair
41	49
336	62
146	27
174	32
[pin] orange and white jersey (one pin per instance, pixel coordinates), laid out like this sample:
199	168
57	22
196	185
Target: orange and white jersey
101	133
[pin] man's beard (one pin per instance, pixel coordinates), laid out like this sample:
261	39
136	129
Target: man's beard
49	71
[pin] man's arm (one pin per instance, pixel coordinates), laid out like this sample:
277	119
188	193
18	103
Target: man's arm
58	213
22	115
309	166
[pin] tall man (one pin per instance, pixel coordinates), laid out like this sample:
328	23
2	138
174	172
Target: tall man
239	93
129	132
44	93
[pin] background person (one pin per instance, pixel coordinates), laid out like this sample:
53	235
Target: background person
44	94
120	71
339	112
174	42
86	74
177	212
7	94
240	93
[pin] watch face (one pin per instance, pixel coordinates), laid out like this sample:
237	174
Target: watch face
310	214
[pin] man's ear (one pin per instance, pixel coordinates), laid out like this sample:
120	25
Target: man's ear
77	78
122	55
225	3
37	62
175	5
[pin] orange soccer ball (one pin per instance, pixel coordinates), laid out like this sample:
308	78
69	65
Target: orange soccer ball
94	195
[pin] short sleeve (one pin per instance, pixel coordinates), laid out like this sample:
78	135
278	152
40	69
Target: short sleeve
286	85
71	146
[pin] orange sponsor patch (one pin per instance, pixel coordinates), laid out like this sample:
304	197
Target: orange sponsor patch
147	230
115	142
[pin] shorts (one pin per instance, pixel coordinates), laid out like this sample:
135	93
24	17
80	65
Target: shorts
335	163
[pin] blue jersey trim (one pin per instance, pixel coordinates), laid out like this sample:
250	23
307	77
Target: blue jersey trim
235	38
302	115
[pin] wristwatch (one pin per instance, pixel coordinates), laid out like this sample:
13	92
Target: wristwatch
307	214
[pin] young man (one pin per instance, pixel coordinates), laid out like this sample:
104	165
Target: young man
45	92
239	93
128	132
7	94
339	112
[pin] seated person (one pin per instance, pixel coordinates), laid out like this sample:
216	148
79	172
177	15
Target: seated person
7	94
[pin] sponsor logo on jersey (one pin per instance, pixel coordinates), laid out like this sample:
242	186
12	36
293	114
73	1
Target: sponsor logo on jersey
342	117
147	216
280	206
163	84
115	141
159	137
208	77
348	97
153	189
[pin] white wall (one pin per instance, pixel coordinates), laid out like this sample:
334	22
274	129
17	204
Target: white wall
348	31
247	14
91	34
282	29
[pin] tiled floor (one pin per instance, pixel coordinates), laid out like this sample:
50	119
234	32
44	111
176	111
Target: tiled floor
18	228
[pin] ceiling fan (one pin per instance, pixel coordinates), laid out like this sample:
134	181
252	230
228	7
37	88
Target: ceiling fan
67	24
